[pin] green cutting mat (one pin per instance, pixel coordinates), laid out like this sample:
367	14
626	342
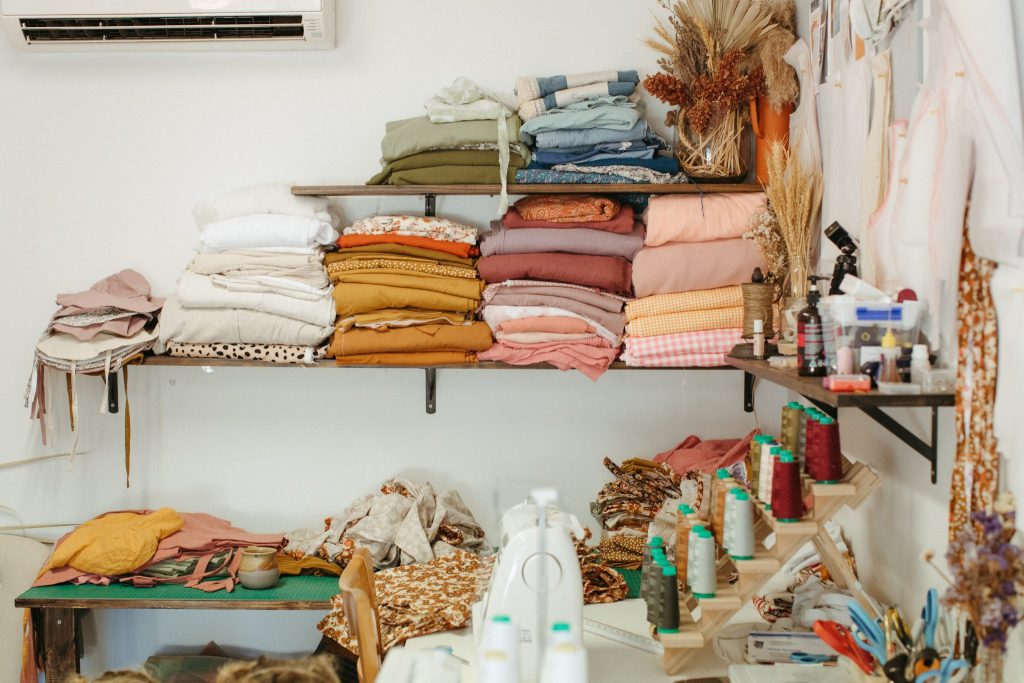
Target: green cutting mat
632	577
298	588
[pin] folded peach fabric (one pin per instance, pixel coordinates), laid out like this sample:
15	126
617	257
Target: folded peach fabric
681	302
457	248
556	324
541	337
417	338
568	208
686	266
414	360
699	218
612	273
622	223
691	321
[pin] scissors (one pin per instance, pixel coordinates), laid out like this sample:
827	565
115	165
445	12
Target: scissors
894	622
842	641
930	617
869	635
950	671
928	658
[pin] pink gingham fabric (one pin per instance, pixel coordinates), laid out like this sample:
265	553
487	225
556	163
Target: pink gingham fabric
703	349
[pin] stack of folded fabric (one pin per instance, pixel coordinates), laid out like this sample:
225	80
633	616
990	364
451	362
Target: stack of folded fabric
590	128
689	310
558	271
405	289
467	137
256	289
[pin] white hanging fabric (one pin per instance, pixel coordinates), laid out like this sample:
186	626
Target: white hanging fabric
804	141
876	155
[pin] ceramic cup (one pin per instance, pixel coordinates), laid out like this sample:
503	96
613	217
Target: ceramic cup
255	558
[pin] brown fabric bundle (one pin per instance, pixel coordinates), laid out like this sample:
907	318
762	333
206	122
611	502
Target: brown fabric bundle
623	223
568	208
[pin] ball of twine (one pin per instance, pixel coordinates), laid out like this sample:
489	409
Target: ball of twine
758	298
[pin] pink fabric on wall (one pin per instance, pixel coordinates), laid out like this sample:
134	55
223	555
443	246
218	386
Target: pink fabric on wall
705	456
684	267
622	223
699	218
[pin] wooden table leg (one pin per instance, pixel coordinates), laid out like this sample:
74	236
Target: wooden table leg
60	644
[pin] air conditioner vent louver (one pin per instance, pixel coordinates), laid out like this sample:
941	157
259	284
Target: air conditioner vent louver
176	28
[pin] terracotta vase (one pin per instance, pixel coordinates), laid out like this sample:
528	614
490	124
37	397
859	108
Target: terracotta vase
770	124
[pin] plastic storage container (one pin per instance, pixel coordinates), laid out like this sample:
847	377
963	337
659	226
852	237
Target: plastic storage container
856	324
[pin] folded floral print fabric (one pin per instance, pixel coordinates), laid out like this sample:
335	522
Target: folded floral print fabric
612	273
567	208
391	248
430	227
623	223
411	266
681	302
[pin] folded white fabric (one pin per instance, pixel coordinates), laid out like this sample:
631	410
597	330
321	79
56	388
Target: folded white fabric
495	315
199	291
235	326
267	198
271	284
266	231
227	261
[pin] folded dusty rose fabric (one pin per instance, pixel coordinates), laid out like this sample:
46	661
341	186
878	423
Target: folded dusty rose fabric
615	322
699	218
592	357
568	208
612	273
622	223
127	290
501	240
546	324
705	456
686	266
591	297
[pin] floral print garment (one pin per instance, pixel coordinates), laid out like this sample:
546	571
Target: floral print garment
430	227
976	467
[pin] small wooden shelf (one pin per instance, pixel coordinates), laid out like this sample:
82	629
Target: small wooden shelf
171	361
515	188
870	403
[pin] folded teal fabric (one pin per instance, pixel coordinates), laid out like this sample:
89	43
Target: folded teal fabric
617	113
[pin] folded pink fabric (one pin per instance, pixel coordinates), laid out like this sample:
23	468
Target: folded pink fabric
126	290
686	266
706	342
542	337
623	223
592	357
699	218
680	360
705	456
612	273
557	324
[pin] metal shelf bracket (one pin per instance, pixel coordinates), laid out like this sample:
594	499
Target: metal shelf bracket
431	378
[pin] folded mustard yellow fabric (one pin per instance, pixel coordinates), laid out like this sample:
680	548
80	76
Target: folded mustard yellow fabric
352	298
384	250
414	360
473	337
401	317
402	266
468	289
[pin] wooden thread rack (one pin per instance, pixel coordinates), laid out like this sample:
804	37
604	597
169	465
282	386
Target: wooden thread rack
700	620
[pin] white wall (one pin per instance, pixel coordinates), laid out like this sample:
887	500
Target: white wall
104	155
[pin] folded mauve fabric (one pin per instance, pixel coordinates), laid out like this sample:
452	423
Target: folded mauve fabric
460	249
501	240
474	337
681	360
690	321
616	322
414	359
699	218
568	208
546	324
686	266
612	273
681	302
623	223
592	357
591	297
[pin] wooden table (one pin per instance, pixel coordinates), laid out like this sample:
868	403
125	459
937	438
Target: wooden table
56	610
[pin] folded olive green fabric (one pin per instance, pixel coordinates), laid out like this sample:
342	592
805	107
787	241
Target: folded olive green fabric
412	136
450	166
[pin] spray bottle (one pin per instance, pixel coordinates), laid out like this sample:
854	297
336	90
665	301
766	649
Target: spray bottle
810	343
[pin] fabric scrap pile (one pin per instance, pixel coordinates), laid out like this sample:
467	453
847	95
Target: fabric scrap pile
558	271
256	288
468	137
689	310
590	128
407	522
627	504
405	290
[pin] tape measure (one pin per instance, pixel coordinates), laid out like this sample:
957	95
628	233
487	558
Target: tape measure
625	637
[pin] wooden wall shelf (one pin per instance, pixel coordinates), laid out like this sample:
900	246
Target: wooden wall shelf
870	403
515	188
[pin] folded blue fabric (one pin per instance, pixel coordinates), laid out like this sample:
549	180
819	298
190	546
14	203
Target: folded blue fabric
588	137
547	85
622	150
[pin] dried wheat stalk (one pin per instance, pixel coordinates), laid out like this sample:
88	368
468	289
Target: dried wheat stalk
795	195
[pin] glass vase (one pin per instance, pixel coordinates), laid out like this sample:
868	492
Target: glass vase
721	154
799	269
989	668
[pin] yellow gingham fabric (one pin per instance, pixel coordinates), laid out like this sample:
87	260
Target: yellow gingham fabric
698	300
691	321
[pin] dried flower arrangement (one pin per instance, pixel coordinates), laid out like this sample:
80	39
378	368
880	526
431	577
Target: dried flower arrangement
763	227
709	72
987	580
780	83
794	194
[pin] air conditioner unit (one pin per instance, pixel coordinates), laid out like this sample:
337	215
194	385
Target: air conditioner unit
79	25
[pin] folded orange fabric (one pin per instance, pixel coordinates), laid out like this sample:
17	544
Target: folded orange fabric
624	222
414	360
413	339
456	248
568	208
555	323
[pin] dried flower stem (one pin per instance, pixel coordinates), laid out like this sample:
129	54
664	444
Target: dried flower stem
795	195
